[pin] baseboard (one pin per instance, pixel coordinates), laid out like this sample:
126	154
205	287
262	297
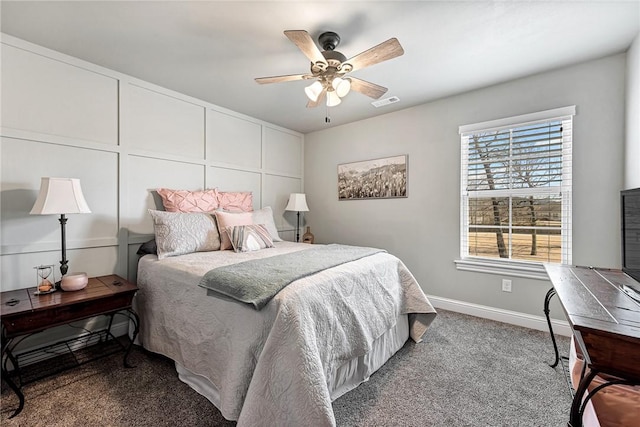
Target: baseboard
506	316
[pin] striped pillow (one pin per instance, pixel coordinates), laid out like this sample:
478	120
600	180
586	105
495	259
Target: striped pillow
245	238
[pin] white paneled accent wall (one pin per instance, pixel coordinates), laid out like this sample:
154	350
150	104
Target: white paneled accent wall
161	123
234	141
123	138
282	152
43	95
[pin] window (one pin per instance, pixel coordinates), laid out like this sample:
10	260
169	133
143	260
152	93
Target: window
516	193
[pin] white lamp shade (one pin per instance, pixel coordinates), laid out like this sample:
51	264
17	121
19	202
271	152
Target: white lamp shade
341	86
332	98
297	203
60	196
313	91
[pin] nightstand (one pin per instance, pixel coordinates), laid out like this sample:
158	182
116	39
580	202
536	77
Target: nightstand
23	314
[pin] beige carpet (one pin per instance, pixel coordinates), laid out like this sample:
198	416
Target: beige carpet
467	372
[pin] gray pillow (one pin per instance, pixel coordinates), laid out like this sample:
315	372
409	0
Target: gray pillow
179	233
148	248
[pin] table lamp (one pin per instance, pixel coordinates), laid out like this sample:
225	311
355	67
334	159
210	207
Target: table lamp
60	196
297	203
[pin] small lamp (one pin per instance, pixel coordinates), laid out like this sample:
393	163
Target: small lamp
297	203
60	196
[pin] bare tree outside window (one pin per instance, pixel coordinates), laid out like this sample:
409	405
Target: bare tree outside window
506	171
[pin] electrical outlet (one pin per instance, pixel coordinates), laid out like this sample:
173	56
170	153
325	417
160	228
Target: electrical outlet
506	285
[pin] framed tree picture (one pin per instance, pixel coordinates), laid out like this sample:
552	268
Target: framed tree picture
373	179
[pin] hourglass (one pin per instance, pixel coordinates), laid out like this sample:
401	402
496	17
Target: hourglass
44	286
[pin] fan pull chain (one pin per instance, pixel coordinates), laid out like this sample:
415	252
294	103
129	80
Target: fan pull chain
327	118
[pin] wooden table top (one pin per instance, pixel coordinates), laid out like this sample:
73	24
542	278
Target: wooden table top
603	316
23	312
97	288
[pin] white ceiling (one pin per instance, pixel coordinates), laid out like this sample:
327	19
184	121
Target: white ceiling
213	50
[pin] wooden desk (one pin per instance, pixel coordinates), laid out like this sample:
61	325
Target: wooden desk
605	322
23	313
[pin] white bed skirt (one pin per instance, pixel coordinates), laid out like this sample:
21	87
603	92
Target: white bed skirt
344	379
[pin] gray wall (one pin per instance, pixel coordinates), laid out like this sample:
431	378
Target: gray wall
423	229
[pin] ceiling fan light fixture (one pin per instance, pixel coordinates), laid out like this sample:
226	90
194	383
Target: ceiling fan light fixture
313	91
329	67
341	86
332	98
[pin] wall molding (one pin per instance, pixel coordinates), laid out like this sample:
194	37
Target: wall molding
54	246
539	323
46	138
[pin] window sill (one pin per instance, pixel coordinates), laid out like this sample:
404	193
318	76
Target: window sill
508	268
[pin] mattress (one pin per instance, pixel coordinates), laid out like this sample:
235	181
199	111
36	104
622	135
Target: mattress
283	365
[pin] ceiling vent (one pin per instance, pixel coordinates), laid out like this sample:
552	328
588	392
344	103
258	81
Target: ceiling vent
382	102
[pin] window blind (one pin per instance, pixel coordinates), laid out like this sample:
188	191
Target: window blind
516	188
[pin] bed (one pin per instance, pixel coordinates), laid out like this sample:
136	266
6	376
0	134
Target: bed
318	338
325	317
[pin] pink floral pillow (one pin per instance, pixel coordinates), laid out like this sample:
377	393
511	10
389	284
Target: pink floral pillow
230	219
189	201
234	201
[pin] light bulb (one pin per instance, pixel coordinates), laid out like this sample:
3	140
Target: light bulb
313	91
341	86
332	98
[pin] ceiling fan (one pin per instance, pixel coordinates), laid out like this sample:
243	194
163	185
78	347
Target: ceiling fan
329	67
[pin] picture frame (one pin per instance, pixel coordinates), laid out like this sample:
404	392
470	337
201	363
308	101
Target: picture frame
383	178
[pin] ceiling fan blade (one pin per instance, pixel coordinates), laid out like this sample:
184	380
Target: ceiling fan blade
288	78
366	88
382	52
312	104
305	43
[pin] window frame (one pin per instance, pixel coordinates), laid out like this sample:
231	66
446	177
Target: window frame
515	267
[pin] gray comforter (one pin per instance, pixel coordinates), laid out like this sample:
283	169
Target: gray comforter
271	366
256	281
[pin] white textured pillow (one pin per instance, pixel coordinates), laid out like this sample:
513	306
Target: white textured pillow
265	216
179	233
246	238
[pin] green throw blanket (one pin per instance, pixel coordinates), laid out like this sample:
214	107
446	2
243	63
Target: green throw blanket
257	281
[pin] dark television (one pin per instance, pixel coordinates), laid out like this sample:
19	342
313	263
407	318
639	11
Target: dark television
630	210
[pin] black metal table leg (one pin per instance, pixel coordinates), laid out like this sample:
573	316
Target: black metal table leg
6	354
133	316
547	300
16	390
575	418
577	422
